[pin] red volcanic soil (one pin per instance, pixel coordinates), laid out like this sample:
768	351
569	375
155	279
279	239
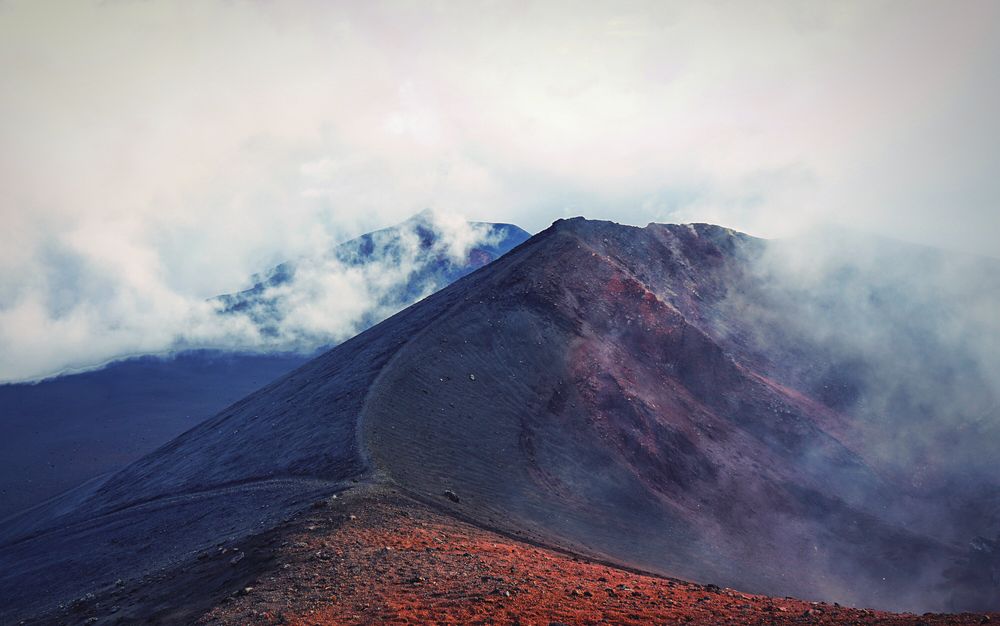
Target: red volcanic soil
375	556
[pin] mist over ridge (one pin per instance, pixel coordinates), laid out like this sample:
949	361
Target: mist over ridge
297	307
676	398
466	311
143	175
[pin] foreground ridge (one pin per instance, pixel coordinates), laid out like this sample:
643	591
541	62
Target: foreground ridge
373	554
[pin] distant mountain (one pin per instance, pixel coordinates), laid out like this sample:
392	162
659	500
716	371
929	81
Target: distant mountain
62	431
684	399
404	263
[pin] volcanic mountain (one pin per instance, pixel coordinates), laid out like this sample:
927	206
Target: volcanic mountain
404	263
652	398
64	430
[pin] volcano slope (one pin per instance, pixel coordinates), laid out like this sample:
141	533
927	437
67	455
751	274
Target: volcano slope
64	430
601	389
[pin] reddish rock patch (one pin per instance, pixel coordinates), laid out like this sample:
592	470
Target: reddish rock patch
378	557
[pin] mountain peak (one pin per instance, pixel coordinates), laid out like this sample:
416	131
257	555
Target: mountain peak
636	395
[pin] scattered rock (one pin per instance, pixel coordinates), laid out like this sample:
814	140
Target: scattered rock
236	559
80	604
451	495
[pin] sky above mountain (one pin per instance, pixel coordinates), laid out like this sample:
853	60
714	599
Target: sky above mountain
157	153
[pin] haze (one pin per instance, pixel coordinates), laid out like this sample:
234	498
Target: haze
155	154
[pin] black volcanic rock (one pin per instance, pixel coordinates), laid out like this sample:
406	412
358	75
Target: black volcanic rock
603	388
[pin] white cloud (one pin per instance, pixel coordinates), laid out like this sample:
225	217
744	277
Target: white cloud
166	150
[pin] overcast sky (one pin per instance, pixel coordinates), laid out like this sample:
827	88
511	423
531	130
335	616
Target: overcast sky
155	153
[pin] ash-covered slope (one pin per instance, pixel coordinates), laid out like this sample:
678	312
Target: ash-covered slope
235	475
62	431
603	388
65	430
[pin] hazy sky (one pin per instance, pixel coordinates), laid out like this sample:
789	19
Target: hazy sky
155	153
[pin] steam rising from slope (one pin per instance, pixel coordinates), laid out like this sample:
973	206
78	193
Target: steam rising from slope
663	403
910	340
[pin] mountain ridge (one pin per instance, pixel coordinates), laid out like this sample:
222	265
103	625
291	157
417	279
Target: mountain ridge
592	390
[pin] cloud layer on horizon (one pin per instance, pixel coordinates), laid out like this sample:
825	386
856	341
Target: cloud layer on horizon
156	153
